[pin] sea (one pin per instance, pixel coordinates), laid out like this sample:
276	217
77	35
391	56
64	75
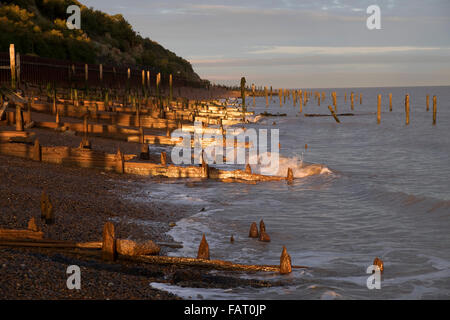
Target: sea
385	194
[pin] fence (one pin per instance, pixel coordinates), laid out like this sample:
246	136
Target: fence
40	71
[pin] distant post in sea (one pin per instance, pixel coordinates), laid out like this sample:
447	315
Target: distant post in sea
379	109
407	108
428	102
253	93
280	93
244	108
360	98
352	100
390	102
434	109
267	97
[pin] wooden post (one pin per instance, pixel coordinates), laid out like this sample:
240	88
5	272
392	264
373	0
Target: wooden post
434	109
253	233
170	88
120	162
333	114
148	80
360	98
203	249
37	153
352	100
109	242
290	176
266	95
101	72
390	102
163	158
280	95
86	73
19	119
428	102
345	96
379	109
253	93
12	65
407	108
285	262
18	69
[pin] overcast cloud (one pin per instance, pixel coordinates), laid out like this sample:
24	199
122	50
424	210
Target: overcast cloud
320	43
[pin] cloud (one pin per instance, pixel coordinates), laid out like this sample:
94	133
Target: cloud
325	50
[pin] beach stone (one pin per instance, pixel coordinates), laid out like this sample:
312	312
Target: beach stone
253	233
131	248
264	237
203	249
378	262
285	262
232	239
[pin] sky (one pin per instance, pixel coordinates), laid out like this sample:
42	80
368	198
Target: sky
299	44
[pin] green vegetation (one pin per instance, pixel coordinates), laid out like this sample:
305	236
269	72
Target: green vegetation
38	27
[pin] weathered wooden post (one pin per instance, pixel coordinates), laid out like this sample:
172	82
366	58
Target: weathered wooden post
120	161
86	73
379	109
270	93
360	98
390	102
158	80
290	176
253	93
334	114
12	65
285	262
163	158
345	96
266	95
428	102
19	119
170	88
407	108
253	233
352	100
101	72
203	249
37	153
434	109
280	95
18	69
244	107
109	242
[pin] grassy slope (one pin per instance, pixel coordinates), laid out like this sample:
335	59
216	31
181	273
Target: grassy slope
38	27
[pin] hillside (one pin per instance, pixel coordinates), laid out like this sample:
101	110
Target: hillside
38	27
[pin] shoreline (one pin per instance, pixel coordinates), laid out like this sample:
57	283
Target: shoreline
84	199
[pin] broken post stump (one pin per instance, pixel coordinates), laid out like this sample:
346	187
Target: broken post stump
253	233
163	158
47	213
290	175
19	119
285	262
203	249
109	242
378	262
37	151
